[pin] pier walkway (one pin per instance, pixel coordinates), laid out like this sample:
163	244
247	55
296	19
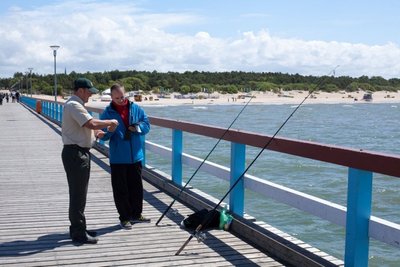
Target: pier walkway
34	211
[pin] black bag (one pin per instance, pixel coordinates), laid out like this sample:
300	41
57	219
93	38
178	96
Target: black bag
193	220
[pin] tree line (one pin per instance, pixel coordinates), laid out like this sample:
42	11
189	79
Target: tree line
195	81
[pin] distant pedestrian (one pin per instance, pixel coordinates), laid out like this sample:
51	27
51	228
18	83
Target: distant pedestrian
78	137
1	98
7	97
126	155
17	96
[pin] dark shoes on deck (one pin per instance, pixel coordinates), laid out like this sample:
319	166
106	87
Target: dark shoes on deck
127	225
88	238
140	219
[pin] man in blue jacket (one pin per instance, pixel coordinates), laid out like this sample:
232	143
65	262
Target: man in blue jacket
126	155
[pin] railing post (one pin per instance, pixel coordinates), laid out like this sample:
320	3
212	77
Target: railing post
177	146
57	112
61	112
238	161
359	194
52	110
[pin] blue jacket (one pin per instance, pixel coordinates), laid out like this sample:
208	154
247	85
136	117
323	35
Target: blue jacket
126	151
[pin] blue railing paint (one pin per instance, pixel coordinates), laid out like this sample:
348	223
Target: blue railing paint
44	107
238	162
177	147
57	112
61	112
51	110
30	102
359	195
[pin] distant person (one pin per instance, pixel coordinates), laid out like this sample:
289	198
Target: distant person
1	98
13	97
126	155
7	97
78	137
17	96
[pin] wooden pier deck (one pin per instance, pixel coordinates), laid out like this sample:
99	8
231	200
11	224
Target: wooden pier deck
34	211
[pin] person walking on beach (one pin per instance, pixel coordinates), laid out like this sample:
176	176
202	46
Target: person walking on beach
78	137
126	155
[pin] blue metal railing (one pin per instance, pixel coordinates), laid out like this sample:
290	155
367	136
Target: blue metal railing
357	219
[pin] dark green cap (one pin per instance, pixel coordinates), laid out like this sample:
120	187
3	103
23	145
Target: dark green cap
85	83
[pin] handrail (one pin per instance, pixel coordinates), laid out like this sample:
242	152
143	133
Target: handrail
366	160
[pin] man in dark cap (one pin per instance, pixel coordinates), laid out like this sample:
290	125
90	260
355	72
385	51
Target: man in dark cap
78	136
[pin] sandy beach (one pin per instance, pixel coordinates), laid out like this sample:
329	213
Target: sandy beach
260	98
269	98
292	97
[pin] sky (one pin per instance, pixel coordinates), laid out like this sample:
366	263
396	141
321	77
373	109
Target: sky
309	37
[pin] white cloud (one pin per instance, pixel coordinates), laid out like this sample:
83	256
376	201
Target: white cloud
107	36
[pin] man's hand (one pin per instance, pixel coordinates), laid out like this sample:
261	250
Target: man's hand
113	125
99	134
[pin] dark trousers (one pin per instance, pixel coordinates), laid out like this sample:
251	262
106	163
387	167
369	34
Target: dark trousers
76	162
126	180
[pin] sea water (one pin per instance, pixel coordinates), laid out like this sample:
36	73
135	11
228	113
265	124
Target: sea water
374	127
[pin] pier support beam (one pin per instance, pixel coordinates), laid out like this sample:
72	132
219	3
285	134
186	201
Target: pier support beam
238	161
359	196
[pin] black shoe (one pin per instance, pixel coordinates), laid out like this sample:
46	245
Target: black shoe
87	239
91	233
140	219
126	225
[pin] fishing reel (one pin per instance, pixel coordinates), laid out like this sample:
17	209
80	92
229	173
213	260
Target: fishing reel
200	236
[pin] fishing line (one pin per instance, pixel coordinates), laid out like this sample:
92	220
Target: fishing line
201	164
197	232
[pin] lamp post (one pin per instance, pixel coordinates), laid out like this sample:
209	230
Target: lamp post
26	82
30	80
54	48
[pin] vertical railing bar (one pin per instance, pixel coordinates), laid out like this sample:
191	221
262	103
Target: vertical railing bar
359	195
177	146
238	161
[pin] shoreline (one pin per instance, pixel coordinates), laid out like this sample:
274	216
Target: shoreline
269	98
260	98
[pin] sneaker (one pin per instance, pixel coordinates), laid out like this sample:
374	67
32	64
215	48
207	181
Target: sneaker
125	225
141	219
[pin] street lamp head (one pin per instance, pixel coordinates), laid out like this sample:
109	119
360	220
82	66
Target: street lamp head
54	47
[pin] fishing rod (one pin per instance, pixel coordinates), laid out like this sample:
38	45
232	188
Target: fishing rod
201	164
197	232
